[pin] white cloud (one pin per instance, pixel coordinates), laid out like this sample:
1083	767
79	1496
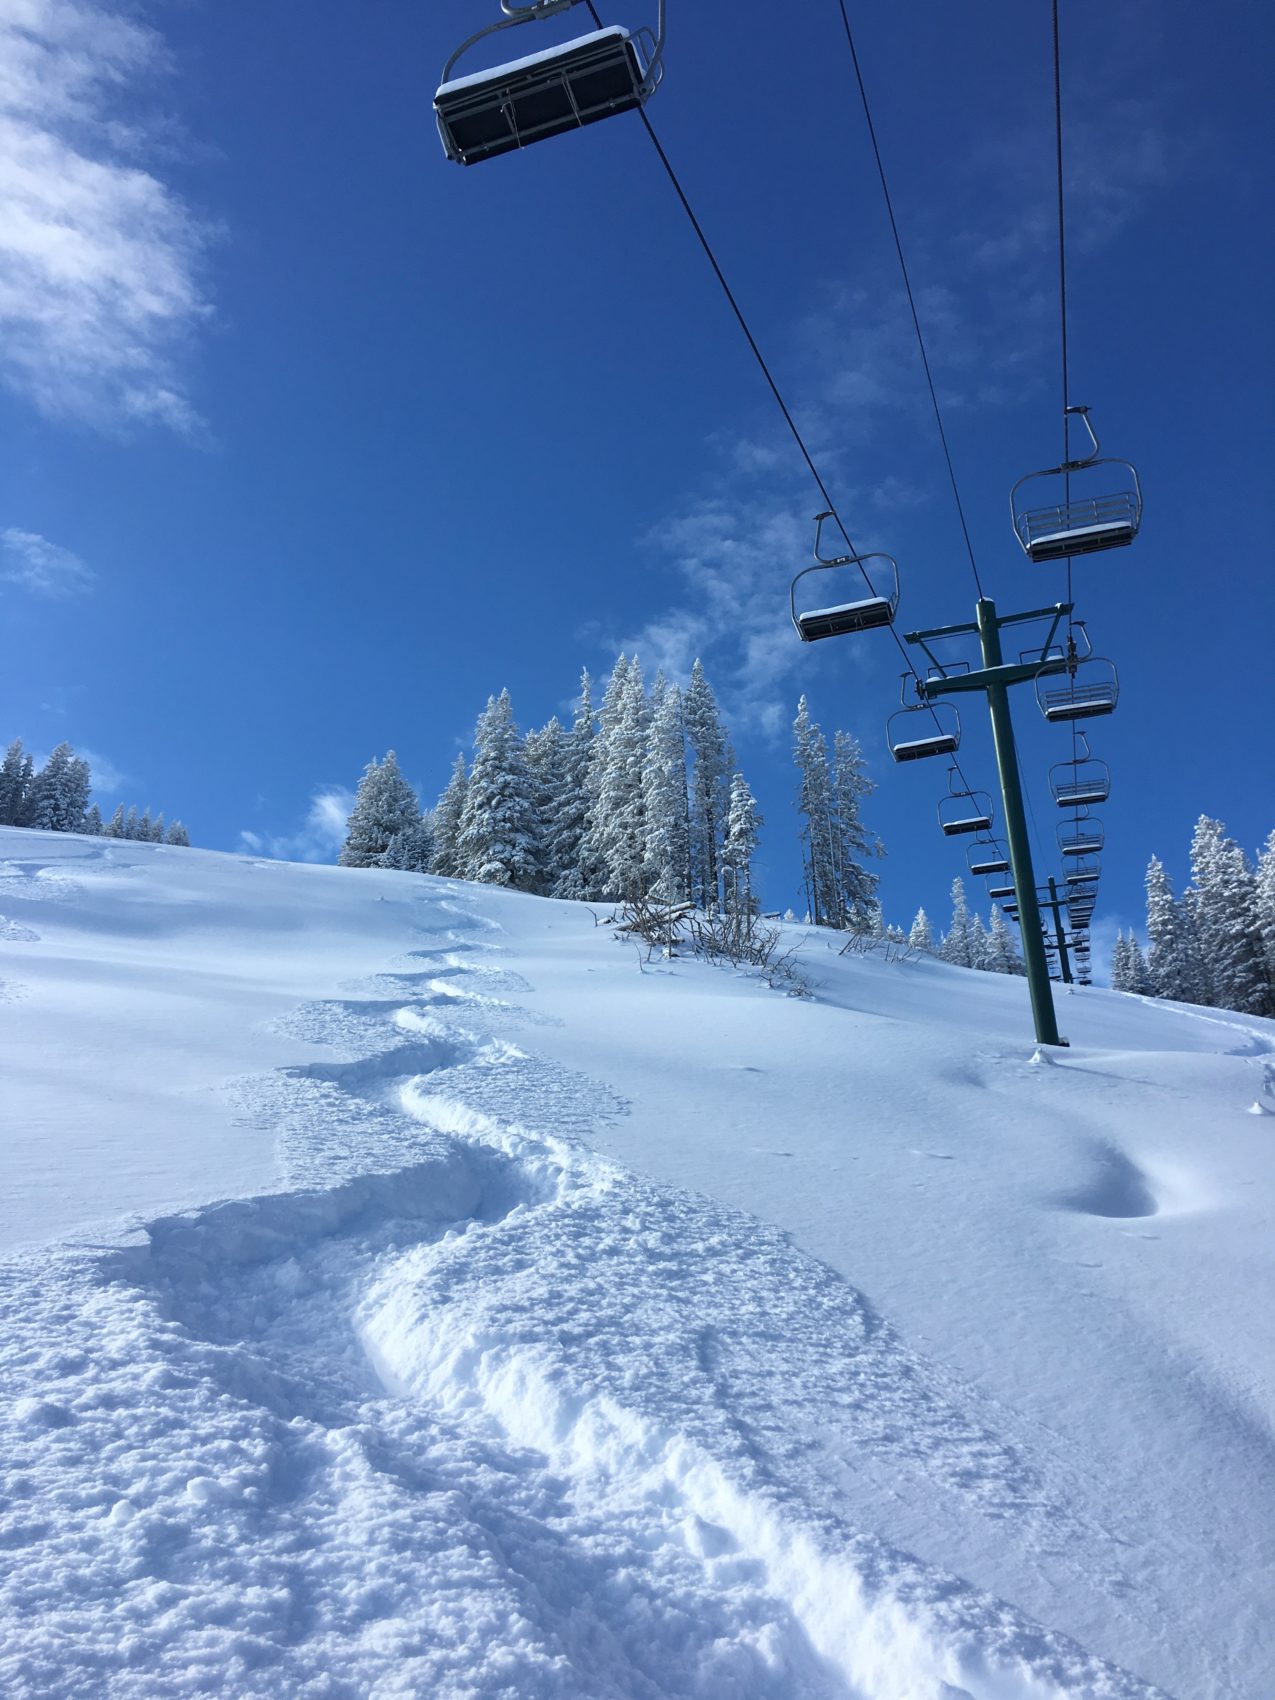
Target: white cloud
98	258
108	779
45	568
319	837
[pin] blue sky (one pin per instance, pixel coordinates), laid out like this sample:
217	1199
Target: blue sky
313	439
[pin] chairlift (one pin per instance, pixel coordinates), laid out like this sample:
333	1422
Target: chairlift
1078	525
942	735
577	82
987	857
999	893
1083	838
875	573
964	811
1083	872
1081	698
1080	781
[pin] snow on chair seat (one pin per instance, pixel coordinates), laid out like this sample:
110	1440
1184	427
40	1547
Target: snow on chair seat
844	617
1076	539
966	823
988	860
913	749
563	88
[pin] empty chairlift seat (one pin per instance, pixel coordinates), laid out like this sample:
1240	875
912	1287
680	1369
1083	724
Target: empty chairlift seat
1076	784
564	87
1082	838
1077	524
845	608
968	813
964	811
922	730
987	858
1084	696
843	617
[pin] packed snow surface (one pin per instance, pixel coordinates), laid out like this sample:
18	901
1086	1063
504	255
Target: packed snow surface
411	1290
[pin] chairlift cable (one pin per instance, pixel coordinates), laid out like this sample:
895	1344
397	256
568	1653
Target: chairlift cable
907	284
1062	286
744	326
775	391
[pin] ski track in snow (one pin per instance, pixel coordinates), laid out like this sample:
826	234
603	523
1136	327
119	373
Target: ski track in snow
468	1411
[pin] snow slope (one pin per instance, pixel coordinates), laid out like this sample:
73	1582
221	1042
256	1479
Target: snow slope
410	1292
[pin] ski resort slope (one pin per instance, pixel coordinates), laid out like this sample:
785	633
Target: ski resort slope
410	1290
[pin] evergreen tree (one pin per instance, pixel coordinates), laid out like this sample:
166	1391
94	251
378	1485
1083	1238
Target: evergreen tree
1227	920
1172	958
620	838
93	822
710	787
178	835
815	801
979	944
565	830
497	828
446	859
115	827
411	849
1264	887
545	754
743	822
15	778
1138	973
157	829
142	828
1002	946
594	861
131	823
956	946
384	805
60	793
921	937
856	887
1120	977
666	826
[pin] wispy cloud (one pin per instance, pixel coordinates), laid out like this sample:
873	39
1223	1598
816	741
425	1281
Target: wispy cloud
319	837
44	568
99	260
109	780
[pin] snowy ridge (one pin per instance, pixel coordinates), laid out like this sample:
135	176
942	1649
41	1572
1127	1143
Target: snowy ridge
470	1409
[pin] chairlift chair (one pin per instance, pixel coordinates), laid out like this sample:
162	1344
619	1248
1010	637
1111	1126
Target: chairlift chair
878	574
1081	698
1078	525
942	734
1083	838
1083	871
1080	781
987	857
964	811
577	82
999	893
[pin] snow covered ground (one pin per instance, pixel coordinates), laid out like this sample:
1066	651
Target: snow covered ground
407	1291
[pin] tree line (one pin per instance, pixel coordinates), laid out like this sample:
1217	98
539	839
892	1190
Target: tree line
639	797
1214	945
55	798
968	943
